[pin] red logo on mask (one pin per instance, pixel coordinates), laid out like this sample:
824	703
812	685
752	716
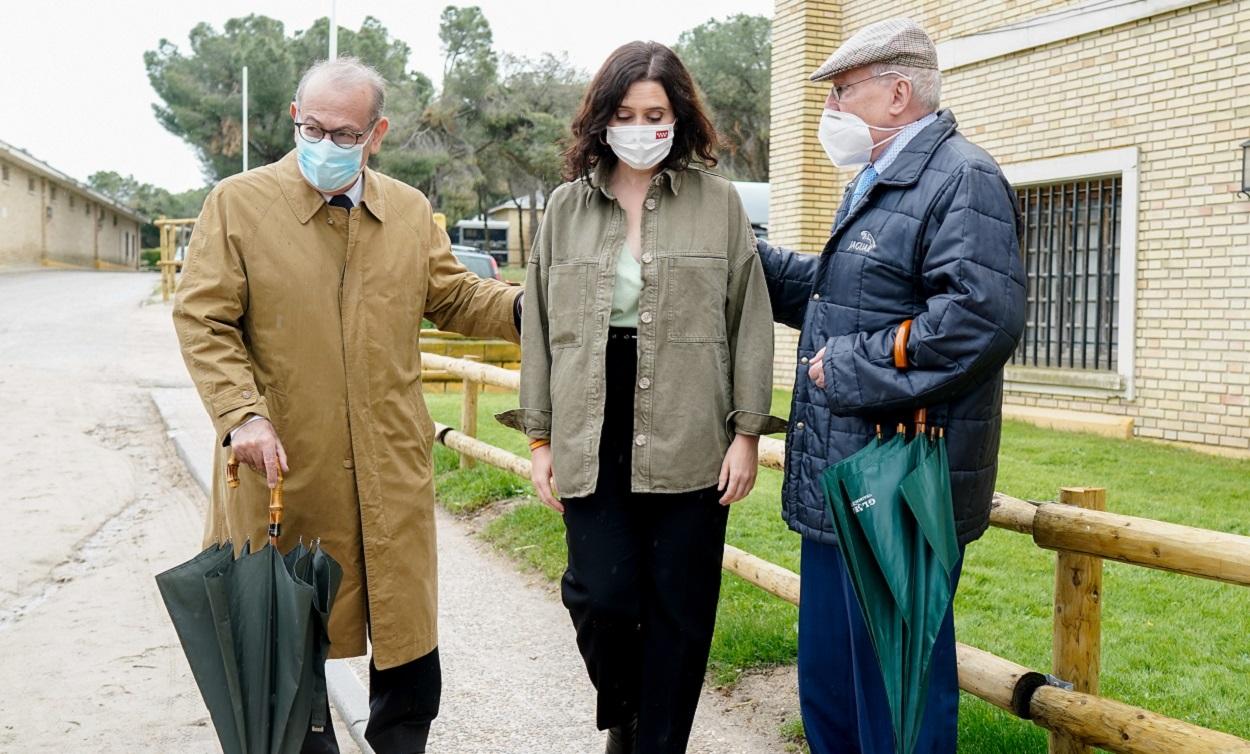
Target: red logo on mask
661	134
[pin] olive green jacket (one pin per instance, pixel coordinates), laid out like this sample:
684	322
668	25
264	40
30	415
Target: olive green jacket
705	332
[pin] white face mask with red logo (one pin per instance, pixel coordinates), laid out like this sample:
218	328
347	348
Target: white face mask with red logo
641	147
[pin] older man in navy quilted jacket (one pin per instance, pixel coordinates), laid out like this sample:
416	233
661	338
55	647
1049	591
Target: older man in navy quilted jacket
927	231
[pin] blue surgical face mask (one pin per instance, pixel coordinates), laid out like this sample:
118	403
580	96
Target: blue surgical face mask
327	166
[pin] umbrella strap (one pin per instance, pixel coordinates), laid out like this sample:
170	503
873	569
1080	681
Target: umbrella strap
317	722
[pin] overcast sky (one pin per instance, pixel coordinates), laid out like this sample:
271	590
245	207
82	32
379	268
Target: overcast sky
74	93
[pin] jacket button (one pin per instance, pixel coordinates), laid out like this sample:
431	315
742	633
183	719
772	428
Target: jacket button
330	221
815	297
645	317
650	204
348	463
803	360
246	393
799	425
644	383
640	440
646	258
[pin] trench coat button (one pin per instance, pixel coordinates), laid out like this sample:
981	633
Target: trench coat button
246	394
815	297
651	204
640	440
646	258
645	317
799	425
644	383
330	221
348	463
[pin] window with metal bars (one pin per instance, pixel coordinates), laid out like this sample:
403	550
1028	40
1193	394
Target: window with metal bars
1071	256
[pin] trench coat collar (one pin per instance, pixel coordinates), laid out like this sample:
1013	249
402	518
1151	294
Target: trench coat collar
304	200
602	175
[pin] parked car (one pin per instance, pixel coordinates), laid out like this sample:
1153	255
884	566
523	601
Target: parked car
480	264
755	201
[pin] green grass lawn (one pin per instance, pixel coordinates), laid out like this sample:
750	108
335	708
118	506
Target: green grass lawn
1177	645
513	273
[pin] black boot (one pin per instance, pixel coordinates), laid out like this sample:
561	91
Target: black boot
621	738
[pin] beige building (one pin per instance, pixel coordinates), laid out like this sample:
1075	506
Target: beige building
48	218
504	227
1120	125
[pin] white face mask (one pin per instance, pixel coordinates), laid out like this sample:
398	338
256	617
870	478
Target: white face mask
641	147
847	140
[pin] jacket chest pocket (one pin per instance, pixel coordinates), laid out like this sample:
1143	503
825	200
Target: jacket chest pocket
695	299
568	289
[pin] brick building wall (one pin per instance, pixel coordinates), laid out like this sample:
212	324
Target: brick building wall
944	19
804	190
21	217
1162	101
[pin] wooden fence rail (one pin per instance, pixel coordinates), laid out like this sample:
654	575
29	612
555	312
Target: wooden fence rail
1080	532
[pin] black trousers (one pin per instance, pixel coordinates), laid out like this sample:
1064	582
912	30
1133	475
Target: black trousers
403	701
642	582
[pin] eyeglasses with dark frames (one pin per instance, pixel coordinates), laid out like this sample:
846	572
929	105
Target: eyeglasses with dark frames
342	138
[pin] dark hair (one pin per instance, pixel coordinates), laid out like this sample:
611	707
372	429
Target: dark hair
695	137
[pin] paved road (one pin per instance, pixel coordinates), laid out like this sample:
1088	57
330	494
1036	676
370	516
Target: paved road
97	500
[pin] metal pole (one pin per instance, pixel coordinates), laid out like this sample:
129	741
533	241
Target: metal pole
334	32
244	119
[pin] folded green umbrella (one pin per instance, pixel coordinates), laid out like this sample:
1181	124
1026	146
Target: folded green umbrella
895	527
255	632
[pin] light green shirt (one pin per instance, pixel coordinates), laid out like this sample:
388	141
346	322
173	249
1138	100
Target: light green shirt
627	290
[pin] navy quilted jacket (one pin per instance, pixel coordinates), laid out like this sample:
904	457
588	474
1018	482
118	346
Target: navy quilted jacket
936	239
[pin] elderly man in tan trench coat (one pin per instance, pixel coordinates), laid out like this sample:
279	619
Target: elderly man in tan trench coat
299	314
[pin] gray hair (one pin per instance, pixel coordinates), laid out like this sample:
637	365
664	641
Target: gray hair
346	72
926	83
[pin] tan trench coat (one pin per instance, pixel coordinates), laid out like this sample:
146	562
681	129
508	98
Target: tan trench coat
310	315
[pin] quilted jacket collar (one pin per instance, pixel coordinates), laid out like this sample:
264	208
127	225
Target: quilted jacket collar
911	162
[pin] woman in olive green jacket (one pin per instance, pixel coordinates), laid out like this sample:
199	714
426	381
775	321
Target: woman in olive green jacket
646	375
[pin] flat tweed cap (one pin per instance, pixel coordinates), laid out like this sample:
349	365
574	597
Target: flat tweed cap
899	41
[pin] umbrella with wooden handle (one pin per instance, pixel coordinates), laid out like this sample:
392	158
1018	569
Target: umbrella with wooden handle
256	634
275	498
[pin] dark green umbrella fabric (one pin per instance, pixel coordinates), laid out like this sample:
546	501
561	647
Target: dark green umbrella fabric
891	508
846	500
254	632
927	494
182	589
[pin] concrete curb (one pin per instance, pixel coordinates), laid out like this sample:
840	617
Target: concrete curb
349	697
347	693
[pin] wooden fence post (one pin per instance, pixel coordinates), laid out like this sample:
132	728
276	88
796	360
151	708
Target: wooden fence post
468	413
1076	650
164	263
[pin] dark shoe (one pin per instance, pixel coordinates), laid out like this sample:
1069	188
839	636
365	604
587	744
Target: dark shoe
621	738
